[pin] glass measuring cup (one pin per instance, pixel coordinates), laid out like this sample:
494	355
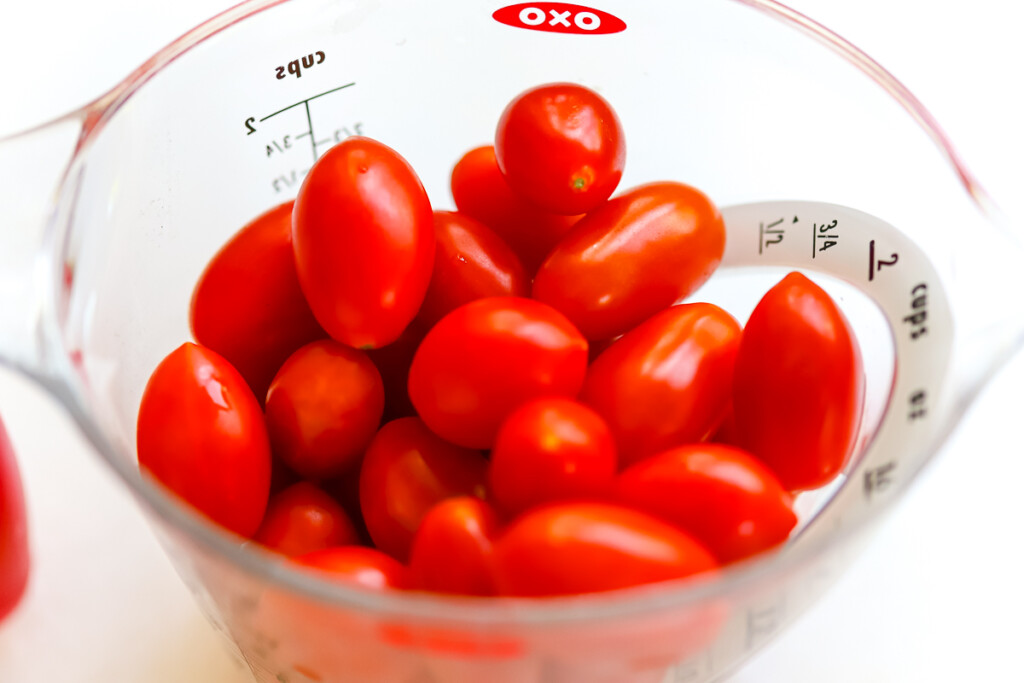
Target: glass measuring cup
748	170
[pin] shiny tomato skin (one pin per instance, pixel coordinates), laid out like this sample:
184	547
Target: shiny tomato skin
323	407
586	547
724	497
363	236
201	434
407	470
480	191
631	257
666	382
248	306
549	449
452	549
15	558
303	518
367	567
485	358
471	262
561	147
798	387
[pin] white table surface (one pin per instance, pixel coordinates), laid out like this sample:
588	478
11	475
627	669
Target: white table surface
937	596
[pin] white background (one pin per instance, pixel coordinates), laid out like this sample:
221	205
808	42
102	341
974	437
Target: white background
937	596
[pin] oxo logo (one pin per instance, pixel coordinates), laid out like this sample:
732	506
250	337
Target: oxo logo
559	17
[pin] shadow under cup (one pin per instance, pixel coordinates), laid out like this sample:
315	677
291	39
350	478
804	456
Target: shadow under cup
740	99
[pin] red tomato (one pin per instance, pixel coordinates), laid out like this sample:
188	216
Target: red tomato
570	548
726	498
561	147
406	471
303	518
471	262
367	567
201	434
480	191
393	362
799	385
549	449
364	242
323	408
14	550
632	257
248	306
485	358
666	382
451	551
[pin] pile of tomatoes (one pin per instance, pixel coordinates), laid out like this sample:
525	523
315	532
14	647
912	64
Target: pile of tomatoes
507	399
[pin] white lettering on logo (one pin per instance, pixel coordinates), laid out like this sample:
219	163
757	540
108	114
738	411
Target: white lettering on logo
588	21
531	16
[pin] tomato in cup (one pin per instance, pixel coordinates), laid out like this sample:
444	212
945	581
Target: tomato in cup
485	358
798	386
363	235
303	518
323	407
561	147
200	433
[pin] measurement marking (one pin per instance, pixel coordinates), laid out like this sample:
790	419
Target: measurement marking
306	101
873	266
762	231
878	479
302	135
823	232
328	141
309	120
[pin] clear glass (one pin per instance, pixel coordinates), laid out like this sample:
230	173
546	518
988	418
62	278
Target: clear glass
770	114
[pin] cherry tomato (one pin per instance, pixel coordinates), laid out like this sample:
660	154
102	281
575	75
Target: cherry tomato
356	564
561	147
570	548
303	518
471	262
799	384
14	551
201	434
451	551
323	408
631	257
406	471
726	498
393	362
480	191
248	306
666	382
488	356
364	242
549	449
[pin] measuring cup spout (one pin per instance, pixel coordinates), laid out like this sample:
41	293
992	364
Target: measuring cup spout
33	165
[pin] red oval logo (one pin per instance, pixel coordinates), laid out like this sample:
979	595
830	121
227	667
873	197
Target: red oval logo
559	17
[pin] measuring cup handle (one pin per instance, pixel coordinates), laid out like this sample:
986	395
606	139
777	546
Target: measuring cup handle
33	165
